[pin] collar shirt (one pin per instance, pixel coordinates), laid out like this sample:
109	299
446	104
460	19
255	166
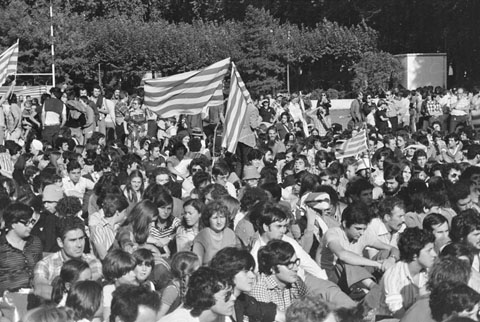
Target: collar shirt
377	229
399	289
267	290
77	189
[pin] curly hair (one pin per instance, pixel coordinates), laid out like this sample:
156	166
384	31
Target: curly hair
449	298
466	222
309	309
202	286
251	197
68	206
412	241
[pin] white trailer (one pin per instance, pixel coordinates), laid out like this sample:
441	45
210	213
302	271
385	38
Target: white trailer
429	69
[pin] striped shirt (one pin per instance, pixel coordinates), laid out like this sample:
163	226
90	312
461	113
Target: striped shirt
103	232
16	266
168	231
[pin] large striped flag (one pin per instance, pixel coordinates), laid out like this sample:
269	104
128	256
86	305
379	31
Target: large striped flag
353	147
238	99
186	93
8	62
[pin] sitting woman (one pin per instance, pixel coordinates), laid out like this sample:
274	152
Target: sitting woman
189	229
216	235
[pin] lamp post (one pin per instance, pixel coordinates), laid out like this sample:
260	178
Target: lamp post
53	43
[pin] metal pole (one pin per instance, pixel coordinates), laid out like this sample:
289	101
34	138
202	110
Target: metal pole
288	64
53	43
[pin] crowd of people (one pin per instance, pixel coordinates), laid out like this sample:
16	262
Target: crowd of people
111	213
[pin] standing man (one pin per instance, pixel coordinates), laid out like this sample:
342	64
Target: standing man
460	110
97	98
54	116
392	112
356	112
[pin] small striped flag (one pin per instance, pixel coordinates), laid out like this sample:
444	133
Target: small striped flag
353	147
8	62
238	99
186	93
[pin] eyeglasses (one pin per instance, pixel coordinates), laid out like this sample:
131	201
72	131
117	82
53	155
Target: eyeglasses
31	222
292	264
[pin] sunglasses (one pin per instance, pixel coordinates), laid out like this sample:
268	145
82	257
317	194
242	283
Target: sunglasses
292	264
31	222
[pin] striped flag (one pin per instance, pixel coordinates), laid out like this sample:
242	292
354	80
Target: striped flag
186	93
8	62
353	147
238	99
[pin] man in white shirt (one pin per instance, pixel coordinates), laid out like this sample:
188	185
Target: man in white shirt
76	185
387	227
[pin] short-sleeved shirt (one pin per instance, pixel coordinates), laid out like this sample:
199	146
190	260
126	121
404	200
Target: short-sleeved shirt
210	247
16	266
50	267
328	258
376	229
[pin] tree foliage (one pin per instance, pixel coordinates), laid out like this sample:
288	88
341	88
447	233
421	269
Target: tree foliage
376	72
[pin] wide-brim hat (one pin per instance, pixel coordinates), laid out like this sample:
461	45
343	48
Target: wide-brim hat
52	193
196	131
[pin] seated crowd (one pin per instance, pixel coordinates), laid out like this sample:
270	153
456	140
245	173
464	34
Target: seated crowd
155	225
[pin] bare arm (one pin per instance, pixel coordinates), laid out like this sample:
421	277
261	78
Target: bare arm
349	257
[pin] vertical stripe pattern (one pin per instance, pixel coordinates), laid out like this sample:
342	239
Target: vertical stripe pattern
187	93
353	147
235	115
8	62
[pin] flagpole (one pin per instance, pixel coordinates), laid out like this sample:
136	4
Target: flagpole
53	43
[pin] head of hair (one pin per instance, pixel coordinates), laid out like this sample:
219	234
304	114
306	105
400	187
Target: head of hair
274	189
69	273
73	165
412	241
393	171
140	217
201	177
215	190
144	256
64	225
357	186
16	212
68	206
232	260
448	269
252	196
458	250
459	190
266	213
386	206
433	219
162	198
276	252
309	309
84	298
127	299
450	298
220	168
113	203
182	266
215	208
356	214
463	224
49	313
117	263
254	154
202	286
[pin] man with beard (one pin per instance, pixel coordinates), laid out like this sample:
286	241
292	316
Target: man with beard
273	141
393	180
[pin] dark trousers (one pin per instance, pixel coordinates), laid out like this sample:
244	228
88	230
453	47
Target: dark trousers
50	133
394	122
